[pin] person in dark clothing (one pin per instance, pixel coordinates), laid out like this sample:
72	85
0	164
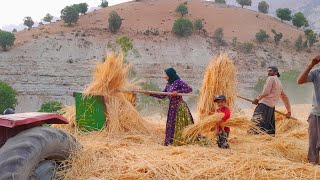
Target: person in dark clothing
313	76
264	114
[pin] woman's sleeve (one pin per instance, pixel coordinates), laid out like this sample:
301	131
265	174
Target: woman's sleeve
160	96
184	88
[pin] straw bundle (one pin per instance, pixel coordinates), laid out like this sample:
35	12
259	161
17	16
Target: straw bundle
123	117
284	124
209	123
238	122
110	76
219	79
205	126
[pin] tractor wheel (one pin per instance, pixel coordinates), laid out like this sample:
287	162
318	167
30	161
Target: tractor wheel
35	153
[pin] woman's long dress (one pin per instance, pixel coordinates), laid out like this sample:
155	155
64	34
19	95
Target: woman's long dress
179	115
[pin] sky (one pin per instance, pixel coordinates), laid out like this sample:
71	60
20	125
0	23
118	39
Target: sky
12	12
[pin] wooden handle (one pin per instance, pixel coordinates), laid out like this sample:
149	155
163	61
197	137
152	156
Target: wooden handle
245	98
155	92
274	110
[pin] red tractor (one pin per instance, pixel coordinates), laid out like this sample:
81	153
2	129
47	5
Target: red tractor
28	150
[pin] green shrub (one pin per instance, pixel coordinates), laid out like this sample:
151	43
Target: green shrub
198	25
27	21
83	8
277	36
125	43
244	2
287	42
263	7
69	15
299	43
299	20
218	37
51	107
220	1
154	32
182	9
247	47
182	27
115	21
48	18
284	14
234	42
262	36
104	4
6	39
7	96
311	36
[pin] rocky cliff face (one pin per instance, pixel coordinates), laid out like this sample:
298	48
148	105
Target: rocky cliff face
54	60
52	67
49	68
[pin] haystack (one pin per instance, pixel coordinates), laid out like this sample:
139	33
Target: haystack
129	156
219	79
109	77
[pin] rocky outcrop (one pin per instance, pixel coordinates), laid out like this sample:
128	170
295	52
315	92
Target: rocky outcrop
52	67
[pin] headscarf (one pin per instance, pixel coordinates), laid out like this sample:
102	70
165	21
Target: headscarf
172	74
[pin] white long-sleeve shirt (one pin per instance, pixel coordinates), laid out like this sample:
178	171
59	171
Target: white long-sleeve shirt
272	92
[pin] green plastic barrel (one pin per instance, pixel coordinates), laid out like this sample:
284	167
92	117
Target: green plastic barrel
90	112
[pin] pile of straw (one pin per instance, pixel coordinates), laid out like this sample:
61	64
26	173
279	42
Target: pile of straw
130	147
219	79
208	125
129	156
284	124
110	76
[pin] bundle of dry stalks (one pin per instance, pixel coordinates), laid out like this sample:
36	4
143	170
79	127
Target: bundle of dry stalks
284	124
110	76
209	123
205	126
128	156
219	79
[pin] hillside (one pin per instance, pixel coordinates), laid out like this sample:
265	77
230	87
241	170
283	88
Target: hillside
139	16
311	8
52	61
